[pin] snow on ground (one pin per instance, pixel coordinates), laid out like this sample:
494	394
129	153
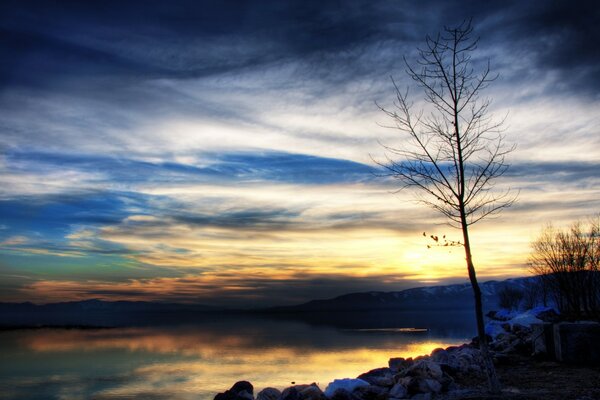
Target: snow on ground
346	383
512	318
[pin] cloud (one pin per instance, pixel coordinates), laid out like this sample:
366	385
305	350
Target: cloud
178	138
223	289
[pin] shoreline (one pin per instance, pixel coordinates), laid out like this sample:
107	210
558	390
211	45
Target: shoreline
457	372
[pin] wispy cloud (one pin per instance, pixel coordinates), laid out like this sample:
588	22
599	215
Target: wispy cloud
147	141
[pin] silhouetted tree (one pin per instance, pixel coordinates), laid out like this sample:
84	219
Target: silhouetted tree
568	261
510	298
453	151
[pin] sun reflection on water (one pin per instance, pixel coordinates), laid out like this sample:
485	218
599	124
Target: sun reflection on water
197	361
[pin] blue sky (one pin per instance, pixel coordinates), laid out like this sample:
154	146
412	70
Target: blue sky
223	152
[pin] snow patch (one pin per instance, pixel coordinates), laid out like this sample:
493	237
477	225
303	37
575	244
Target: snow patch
347	384
525	318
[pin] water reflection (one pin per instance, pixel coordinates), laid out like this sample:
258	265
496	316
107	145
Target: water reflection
196	361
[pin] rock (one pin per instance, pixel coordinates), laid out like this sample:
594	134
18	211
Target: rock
548	315
519	329
302	392
398	364
268	394
347	384
242	390
399	391
290	393
342	394
423	369
440	356
429	386
543	340
242	386
475	340
370	393
311	392
447	382
422	396
410	383
501	359
379	377
464	360
577	342
502	315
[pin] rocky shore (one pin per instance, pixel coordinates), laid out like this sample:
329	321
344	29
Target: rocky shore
454	373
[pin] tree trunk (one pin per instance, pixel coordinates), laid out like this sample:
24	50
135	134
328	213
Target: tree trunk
493	381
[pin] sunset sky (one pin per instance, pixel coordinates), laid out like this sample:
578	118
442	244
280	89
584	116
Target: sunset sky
221	152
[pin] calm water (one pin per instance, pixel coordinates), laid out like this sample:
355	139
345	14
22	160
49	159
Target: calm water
196	360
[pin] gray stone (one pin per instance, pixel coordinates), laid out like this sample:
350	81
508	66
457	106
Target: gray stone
398	364
341	394
242	390
370	393
268	394
548	316
578	342
422	396
429	386
440	356
311	392
543	340
466	360
424	369
399	391
410	383
347	384
303	392
379	377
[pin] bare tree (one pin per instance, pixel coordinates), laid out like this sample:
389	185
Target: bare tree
568	261
510	298
454	149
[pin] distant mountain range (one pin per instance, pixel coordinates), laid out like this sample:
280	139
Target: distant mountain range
95	305
458	296
97	313
119	313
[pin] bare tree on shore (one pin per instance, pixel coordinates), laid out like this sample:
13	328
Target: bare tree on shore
568	261
454	150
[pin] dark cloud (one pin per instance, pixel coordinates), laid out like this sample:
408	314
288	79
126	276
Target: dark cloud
100	38
238	167
46	41
567	172
85	87
563	36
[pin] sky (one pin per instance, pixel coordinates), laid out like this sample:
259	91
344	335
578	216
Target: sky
223	152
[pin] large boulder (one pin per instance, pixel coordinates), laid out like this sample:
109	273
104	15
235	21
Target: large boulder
423	369
577	342
370	392
268	394
410	384
346	384
302	392
429	386
342	394
383	377
543	340
440	356
398	391
397	364
242	390
464	360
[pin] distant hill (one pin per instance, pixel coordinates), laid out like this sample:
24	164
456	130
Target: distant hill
459	296
96	313
101	313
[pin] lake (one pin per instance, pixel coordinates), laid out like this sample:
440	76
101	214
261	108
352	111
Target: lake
196	359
